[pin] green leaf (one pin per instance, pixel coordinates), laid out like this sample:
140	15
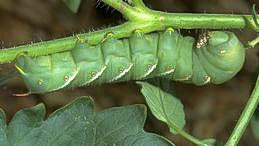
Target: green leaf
23	123
73	5
164	84
164	106
255	124
77	124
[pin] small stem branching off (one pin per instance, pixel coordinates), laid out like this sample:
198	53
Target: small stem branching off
253	43
138	3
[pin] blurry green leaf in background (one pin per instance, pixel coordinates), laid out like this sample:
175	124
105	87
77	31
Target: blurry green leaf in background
73	5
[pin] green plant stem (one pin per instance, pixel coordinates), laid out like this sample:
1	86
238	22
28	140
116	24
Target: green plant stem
139	18
245	117
186	135
191	138
253	43
138	3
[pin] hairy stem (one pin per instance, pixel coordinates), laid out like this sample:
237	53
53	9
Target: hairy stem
139	18
138	3
121	6
245	117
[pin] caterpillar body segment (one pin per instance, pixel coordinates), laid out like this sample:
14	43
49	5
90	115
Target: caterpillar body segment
216	58
184	64
90	64
200	76
167	55
144	55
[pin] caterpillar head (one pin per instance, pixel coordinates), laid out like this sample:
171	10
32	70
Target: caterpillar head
221	54
46	73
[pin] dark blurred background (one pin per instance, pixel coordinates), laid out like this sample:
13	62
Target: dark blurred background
211	111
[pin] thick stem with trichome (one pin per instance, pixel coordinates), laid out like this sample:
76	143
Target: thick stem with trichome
139	17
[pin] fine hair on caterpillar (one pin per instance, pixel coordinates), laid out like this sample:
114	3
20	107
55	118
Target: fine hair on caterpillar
215	58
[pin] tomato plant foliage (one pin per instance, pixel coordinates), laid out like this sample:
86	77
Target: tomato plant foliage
78	124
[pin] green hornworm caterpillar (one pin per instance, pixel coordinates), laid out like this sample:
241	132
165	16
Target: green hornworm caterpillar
215	58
